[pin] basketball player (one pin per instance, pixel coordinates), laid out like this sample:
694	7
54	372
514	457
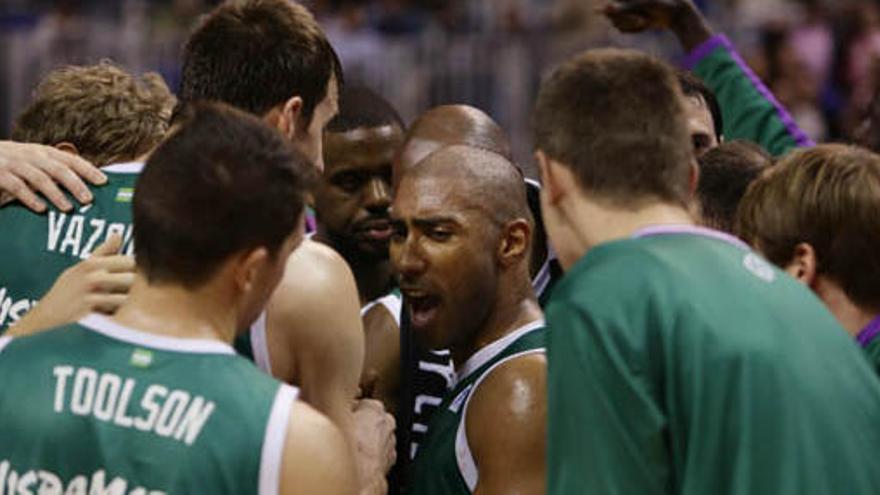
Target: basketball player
108	117
155	400
814	215
461	247
679	360
311	333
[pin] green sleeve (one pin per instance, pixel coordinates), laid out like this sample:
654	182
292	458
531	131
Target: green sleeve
749	109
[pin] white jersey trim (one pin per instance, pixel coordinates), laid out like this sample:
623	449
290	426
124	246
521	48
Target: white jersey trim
488	352
260	344
273	442
125	168
4	341
110	328
392	302
467	466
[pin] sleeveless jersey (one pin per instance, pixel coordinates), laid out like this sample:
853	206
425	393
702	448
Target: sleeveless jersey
444	464
36	248
96	407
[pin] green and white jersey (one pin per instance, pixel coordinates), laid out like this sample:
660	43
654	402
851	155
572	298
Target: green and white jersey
681	362
96	407
36	248
393	302
444	464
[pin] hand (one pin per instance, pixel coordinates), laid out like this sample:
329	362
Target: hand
100	283
681	17
26	169
374	433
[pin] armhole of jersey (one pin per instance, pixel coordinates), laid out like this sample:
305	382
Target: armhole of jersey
274	440
260	345
467	466
391	302
4	341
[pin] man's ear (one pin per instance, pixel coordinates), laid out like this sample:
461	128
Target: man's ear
803	265
515	241
289	117
248	267
67	147
552	182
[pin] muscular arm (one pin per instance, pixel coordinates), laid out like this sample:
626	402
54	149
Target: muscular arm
506	428
381	376
316	459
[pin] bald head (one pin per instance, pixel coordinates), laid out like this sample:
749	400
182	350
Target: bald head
478	178
452	125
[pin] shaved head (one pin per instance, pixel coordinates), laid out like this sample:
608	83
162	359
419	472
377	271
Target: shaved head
450	125
483	180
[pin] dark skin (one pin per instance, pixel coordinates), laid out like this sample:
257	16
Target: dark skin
463	263
681	17
352	201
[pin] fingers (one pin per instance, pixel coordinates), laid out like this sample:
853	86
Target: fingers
110	246
69	180
79	166
43	183
106	303
110	283
20	191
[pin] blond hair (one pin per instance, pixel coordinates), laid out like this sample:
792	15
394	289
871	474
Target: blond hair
107	113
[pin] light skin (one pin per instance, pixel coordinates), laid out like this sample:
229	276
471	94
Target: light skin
466	274
27	170
803	267
577	222
318	294
701	125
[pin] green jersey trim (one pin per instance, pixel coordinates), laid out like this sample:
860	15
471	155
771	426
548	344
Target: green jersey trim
4	341
125	168
109	328
392	302
467	466
260	344
273	443
489	352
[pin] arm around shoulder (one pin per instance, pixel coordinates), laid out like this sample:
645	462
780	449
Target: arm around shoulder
506	427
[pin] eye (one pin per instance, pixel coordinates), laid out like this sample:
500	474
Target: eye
348	181
701	142
439	234
398	232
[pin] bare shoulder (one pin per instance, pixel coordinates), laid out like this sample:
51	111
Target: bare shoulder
316	456
317	267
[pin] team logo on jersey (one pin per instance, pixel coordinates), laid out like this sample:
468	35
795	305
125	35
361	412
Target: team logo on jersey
141	358
759	267
124	194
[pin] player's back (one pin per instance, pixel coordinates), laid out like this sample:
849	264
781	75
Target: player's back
702	369
96	405
36	248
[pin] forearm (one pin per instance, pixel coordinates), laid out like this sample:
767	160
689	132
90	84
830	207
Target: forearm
690	27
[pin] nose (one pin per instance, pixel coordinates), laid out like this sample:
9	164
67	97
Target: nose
377	196
407	258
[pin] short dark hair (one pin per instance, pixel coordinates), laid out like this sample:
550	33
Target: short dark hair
725	173
222	182
694	87
256	54
359	107
617	119
829	197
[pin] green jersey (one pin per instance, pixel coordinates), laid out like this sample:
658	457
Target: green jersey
869	340
96	407
681	362
444	464
38	247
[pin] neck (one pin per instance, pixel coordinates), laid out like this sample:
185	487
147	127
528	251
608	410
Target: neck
594	223
174	311
374	279
513	309
853	318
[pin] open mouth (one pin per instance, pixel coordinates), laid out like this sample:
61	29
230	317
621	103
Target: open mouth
423	308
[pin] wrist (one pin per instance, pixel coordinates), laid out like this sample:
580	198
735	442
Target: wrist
690	27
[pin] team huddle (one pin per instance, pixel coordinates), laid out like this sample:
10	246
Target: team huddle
269	283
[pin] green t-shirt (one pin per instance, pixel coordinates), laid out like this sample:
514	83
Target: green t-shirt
96	407
681	362
444	464
36	248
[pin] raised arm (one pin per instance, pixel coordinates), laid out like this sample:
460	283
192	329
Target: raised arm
506	428
750	110
27	169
